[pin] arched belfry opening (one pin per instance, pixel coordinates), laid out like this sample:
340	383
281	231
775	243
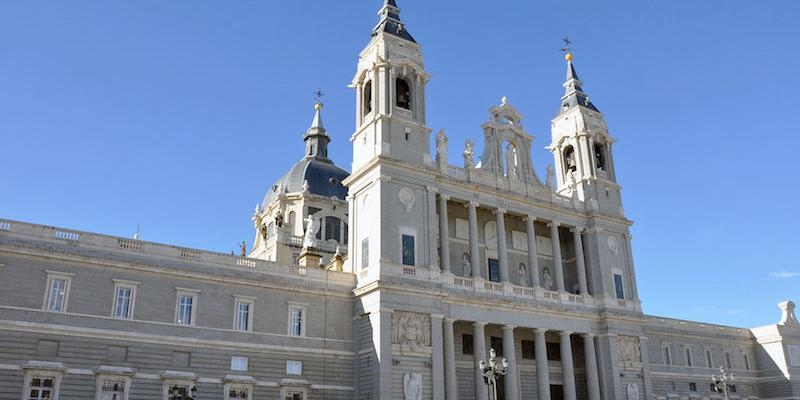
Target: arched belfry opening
600	156
402	93
367	97
570	165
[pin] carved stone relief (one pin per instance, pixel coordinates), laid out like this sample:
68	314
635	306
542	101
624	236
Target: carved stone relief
411	329
412	386
544	246
407	199
629	350
613	245
490	234
633	391
519	240
462	229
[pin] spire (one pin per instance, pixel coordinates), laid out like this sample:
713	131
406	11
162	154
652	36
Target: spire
390	22
316	136
573	90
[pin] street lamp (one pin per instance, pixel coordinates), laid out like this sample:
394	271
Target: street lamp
722	381
491	371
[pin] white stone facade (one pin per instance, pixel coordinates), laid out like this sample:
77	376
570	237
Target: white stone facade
397	291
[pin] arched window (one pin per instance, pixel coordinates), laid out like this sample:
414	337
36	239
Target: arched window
290	222
600	156
403	93
367	100
569	159
333	228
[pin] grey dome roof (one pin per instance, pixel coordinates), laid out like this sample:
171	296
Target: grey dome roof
323	177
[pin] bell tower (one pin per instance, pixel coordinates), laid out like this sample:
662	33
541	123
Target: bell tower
390	95
581	147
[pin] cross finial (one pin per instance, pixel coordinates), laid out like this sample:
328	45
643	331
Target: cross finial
567	44
318	95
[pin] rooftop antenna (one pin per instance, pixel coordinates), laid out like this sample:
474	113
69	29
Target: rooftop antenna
136	235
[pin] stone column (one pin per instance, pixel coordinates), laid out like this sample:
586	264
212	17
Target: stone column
510	354
382	334
473	239
502	254
444	235
479	347
557	264
542	370
648	386
567	369
581	263
450	380
592	381
533	256
437	358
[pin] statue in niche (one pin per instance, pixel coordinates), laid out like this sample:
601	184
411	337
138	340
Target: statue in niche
264	231
547	279
633	391
512	161
469	151
411	329
466	265
308	238
412	386
441	146
550	176
279	219
523	274
570	160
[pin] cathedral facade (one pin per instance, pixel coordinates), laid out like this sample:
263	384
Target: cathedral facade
397	280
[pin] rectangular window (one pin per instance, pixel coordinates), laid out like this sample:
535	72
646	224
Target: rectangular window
112	390
238	363
728	363
124	299
294	367
689	361
692	386
186	306
466	344
179	392
57	294
243	314
297	320
494	270
409	257
237	393
746	362
667	355
293	395
528	350
364	253
42	387
618	287
553	351
709	359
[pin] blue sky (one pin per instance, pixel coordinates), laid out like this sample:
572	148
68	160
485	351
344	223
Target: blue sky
179	115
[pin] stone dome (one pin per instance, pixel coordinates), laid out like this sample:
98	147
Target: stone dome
323	177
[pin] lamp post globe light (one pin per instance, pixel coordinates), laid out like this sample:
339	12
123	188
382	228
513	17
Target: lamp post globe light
491	371
722	381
